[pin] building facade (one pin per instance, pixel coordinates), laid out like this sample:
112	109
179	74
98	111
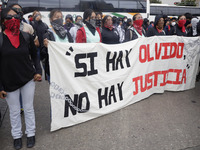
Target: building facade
198	2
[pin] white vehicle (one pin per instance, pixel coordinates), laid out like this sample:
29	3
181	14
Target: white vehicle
119	8
172	10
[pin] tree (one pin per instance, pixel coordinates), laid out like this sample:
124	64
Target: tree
187	3
155	1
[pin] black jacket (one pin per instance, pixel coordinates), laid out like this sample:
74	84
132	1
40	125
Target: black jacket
18	65
40	29
110	36
176	30
153	31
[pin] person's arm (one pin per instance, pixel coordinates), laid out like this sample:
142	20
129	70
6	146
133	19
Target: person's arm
127	36
35	59
36	41
150	32
2	92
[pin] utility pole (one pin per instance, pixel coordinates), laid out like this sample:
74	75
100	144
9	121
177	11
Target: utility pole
4	3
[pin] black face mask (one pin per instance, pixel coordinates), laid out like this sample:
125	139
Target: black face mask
92	22
58	27
79	23
58	22
98	22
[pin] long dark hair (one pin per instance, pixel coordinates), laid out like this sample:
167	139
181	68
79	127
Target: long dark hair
53	12
105	18
134	17
4	13
180	16
11	6
87	13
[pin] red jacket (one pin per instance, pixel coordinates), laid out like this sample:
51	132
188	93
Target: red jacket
81	35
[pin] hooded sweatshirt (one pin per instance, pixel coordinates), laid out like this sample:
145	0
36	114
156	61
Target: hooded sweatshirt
154	31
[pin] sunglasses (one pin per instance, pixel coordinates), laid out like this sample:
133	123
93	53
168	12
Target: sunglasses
17	9
8	17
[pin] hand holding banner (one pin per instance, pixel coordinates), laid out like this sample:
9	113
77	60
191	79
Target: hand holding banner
90	80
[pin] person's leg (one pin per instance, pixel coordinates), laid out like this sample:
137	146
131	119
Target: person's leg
27	92
12	99
21	104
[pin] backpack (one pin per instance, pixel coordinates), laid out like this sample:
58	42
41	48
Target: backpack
132	31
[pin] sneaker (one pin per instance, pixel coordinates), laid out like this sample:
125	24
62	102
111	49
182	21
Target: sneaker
18	143
30	141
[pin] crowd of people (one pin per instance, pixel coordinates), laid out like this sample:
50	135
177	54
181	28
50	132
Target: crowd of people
24	43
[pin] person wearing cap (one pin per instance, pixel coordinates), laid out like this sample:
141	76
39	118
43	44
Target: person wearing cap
136	30
89	33
158	28
68	22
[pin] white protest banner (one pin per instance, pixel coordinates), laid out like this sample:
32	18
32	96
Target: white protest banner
91	80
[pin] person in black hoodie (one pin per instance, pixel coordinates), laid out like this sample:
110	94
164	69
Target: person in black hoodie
158	28
179	29
109	34
136	30
40	28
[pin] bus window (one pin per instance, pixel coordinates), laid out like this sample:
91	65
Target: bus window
50	4
82	5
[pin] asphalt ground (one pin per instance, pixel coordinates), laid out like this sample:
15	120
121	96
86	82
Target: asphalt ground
169	121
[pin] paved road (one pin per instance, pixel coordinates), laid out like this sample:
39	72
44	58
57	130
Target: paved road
169	121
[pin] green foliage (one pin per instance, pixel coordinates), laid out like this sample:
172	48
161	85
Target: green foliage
155	1
187	3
